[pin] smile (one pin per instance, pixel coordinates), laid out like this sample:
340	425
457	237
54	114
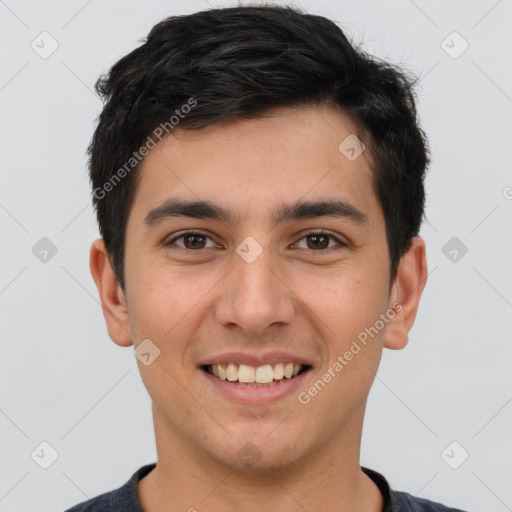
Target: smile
256	375
239	383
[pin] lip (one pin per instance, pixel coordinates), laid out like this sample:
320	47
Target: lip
257	394
256	360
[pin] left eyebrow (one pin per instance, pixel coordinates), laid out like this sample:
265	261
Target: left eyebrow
299	210
326	208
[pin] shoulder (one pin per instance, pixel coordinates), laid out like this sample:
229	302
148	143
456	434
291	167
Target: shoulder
395	501
102	503
407	503
122	499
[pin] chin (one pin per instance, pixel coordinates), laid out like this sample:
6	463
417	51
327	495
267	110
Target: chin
255	451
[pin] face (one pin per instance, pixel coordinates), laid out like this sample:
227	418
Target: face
266	274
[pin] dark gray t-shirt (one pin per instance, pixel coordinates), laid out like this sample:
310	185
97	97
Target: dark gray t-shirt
125	498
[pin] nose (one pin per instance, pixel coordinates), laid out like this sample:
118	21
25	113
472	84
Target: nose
255	295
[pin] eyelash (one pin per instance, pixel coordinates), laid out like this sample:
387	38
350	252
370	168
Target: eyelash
313	233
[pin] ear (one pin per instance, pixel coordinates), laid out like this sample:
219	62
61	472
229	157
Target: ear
406	292
112	298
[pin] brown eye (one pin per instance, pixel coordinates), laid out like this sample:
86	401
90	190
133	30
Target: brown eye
195	241
320	241
191	241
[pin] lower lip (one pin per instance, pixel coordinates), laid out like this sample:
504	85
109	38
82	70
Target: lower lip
256	394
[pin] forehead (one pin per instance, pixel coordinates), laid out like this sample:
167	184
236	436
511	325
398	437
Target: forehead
288	155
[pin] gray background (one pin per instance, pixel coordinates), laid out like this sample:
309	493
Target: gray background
63	381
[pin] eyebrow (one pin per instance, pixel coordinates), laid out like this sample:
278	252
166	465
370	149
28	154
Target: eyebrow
175	207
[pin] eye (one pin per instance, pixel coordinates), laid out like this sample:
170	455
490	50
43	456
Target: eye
191	239
320	241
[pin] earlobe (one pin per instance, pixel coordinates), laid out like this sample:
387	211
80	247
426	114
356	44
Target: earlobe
406	293
112	298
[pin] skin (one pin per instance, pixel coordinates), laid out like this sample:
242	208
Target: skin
197	302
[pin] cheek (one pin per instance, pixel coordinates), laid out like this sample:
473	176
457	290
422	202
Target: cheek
347	299
164	297
347	306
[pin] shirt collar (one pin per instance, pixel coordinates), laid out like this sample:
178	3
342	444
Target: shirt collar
389	498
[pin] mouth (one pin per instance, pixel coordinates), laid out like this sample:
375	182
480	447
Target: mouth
256	376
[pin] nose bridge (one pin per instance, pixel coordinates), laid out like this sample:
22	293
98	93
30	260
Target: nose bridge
255	297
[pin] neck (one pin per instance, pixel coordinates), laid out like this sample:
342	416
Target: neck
186	479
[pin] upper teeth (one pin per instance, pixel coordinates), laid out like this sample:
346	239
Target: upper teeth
261	374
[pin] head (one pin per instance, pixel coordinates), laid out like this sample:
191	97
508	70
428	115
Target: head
249	109
236	63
